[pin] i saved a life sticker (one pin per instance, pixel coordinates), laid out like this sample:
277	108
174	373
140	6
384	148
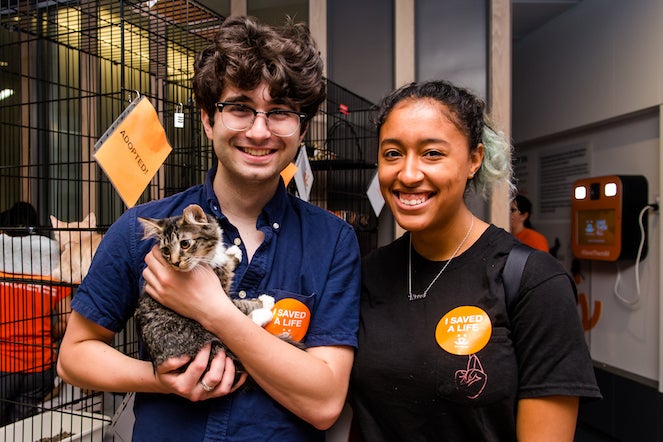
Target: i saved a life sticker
464	330
291	319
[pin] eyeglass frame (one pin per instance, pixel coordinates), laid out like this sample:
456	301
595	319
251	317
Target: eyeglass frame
302	116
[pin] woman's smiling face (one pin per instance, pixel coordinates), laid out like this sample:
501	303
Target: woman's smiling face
424	163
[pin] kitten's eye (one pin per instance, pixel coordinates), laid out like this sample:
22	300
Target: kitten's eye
185	244
165	251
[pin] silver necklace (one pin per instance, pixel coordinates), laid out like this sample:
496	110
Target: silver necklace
416	296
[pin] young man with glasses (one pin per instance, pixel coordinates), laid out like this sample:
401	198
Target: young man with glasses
258	88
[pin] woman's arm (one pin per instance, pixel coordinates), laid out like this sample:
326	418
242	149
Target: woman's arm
547	419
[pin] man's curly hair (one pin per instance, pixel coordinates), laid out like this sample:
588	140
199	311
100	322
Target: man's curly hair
245	53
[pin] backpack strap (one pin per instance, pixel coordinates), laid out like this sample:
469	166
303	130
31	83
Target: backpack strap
513	272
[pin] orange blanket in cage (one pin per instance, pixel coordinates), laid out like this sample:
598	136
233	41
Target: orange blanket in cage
27	303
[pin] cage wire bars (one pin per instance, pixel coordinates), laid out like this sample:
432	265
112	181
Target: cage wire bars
68	68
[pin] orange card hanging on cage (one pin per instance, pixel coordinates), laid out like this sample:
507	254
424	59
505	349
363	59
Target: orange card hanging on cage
132	149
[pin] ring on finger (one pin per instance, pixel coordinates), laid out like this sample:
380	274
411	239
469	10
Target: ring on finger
205	386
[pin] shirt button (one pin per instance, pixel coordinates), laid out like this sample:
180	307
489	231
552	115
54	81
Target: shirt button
237	241
242	294
276	225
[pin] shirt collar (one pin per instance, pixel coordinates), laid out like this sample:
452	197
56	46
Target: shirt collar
272	214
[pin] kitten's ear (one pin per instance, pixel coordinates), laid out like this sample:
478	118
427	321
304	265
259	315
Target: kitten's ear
194	214
54	221
152	228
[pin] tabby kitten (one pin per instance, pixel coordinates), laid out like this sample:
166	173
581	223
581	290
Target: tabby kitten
185	241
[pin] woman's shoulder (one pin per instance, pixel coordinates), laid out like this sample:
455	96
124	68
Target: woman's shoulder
542	264
538	261
394	249
498	240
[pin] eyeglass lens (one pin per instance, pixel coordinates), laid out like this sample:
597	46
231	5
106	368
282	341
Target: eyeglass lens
239	117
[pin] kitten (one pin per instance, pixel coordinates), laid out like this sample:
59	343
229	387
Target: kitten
185	241
77	247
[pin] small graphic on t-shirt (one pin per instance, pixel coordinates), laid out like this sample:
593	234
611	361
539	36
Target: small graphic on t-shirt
291	319
464	330
472	380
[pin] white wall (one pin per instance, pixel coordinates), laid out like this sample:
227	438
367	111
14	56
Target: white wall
625	338
592	77
361	46
451	42
597	60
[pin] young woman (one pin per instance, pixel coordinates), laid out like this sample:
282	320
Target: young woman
440	356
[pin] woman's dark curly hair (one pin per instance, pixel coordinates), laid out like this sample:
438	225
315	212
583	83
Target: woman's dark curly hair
468	113
245	53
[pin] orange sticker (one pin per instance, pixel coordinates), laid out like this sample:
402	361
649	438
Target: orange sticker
291	319
464	330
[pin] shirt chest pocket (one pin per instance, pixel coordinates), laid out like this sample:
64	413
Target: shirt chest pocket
291	314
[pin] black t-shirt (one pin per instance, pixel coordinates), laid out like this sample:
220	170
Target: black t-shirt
451	366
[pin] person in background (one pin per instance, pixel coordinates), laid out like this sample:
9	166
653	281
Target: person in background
521	226
26	247
257	87
440	355
33	311
21	218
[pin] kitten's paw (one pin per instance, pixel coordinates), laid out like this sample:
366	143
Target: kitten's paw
261	316
267	301
235	253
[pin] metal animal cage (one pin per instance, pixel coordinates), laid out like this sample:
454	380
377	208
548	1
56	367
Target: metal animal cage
68	68
341	146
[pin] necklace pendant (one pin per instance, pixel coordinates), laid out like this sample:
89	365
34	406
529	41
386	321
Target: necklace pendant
416	296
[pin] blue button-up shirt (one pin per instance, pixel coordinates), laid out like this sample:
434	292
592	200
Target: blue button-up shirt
308	255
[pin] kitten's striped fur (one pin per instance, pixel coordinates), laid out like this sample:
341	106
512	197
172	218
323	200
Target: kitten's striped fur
185	241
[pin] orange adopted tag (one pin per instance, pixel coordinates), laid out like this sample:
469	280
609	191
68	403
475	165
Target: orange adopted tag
291	319
289	172
464	330
132	149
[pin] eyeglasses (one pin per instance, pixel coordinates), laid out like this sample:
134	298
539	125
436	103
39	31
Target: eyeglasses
280	122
